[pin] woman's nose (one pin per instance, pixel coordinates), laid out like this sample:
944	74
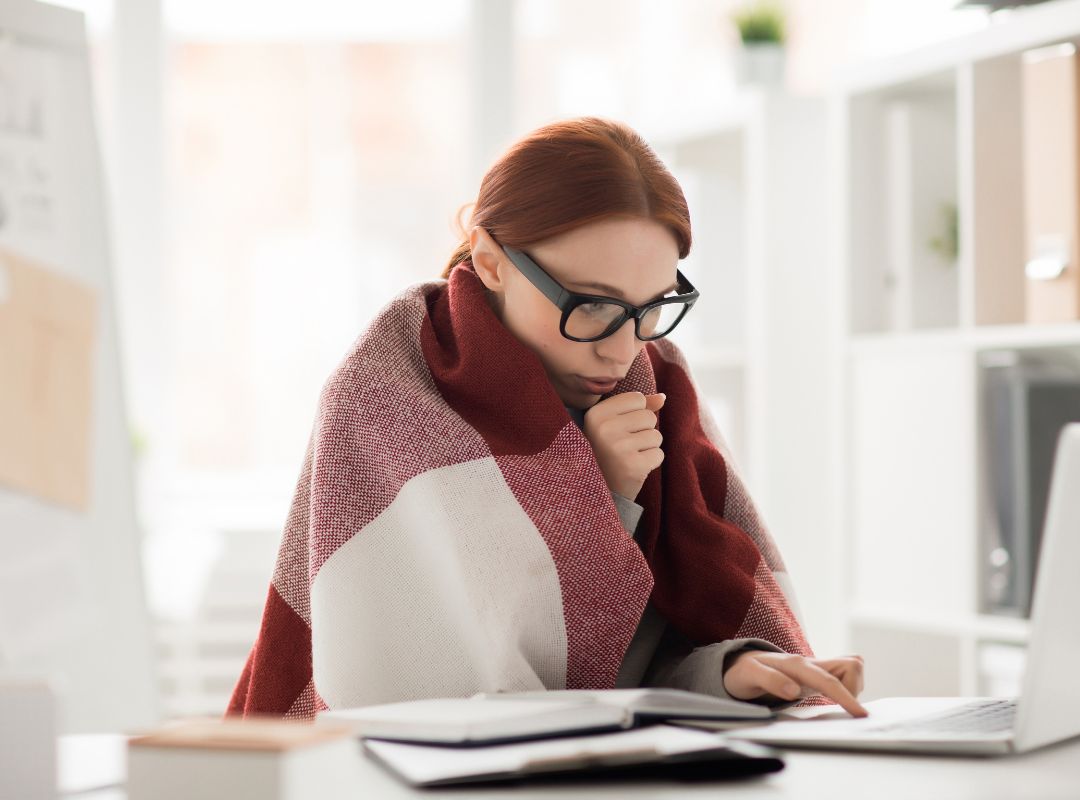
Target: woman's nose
621	346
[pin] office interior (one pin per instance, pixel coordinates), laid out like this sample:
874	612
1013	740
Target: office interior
888	335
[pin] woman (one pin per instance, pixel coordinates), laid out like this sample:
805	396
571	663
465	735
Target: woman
512	484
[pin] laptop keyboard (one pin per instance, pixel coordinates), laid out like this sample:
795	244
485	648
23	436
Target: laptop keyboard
987	716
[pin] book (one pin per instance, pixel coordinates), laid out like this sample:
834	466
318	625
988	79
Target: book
1027	400
234	759
515	716
661	751
1051	189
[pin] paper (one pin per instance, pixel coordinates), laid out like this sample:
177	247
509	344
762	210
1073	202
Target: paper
28	138
47	335
422	764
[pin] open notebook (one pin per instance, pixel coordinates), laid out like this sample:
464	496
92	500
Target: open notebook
513	716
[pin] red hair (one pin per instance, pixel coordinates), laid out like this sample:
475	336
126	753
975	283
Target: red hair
570	173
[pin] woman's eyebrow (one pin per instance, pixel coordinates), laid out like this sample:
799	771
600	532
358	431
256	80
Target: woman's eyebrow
612	291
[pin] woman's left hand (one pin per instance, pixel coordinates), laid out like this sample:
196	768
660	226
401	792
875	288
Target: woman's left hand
755	673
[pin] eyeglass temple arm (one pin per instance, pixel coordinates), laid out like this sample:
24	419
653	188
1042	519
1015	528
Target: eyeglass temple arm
540	279
685	283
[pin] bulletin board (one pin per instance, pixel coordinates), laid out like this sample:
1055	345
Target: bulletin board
72	602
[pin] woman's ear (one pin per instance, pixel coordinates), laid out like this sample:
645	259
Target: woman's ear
487	259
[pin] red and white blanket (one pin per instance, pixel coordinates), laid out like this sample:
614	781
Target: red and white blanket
451	531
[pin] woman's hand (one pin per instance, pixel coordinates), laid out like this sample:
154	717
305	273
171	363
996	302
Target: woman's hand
623	434
755	673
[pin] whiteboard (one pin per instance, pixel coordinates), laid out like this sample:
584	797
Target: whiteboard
72	605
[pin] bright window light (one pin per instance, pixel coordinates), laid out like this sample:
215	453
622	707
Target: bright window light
340	20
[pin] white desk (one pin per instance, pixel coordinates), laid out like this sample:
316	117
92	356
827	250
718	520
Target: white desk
1046	774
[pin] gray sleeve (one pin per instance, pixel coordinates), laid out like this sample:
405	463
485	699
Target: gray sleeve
629	512
676	664
702	669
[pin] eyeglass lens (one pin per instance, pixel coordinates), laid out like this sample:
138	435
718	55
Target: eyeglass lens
592	320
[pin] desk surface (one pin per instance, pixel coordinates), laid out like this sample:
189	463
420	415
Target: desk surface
1052	772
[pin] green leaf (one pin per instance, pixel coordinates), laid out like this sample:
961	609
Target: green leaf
761	22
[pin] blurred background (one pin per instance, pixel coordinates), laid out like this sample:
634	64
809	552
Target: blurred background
275	172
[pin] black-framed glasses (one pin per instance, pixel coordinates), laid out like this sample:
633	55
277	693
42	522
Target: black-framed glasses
590	317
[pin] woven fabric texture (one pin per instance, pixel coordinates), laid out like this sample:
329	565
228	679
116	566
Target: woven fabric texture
451	530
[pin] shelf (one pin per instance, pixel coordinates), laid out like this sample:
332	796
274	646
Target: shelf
878	343
935	217
1026	336
987	337
1023	29
930	328
978	626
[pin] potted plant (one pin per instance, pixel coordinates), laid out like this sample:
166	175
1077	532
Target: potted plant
761	25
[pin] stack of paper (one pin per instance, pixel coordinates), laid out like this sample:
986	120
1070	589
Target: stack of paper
516	735
660	750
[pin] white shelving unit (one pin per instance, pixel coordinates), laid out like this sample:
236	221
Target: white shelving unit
754	171
915	136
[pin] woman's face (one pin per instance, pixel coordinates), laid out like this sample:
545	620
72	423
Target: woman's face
631	258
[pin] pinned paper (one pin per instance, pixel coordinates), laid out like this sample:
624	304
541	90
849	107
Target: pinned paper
47	335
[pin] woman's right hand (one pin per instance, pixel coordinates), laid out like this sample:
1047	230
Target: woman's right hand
755	673
623	434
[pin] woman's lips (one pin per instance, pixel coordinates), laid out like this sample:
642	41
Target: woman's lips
592	387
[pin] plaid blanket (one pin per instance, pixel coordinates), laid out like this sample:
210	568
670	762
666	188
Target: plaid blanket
451	531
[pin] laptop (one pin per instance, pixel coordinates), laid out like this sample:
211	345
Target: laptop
1048	708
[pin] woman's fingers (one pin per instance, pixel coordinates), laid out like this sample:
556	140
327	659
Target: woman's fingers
848	669
614	406
823	682
752	676
775	682
639	420
646	440
789	676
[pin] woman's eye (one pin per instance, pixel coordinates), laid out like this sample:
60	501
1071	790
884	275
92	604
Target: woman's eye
595	308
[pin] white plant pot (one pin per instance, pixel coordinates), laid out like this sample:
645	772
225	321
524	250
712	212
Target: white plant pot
761	64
